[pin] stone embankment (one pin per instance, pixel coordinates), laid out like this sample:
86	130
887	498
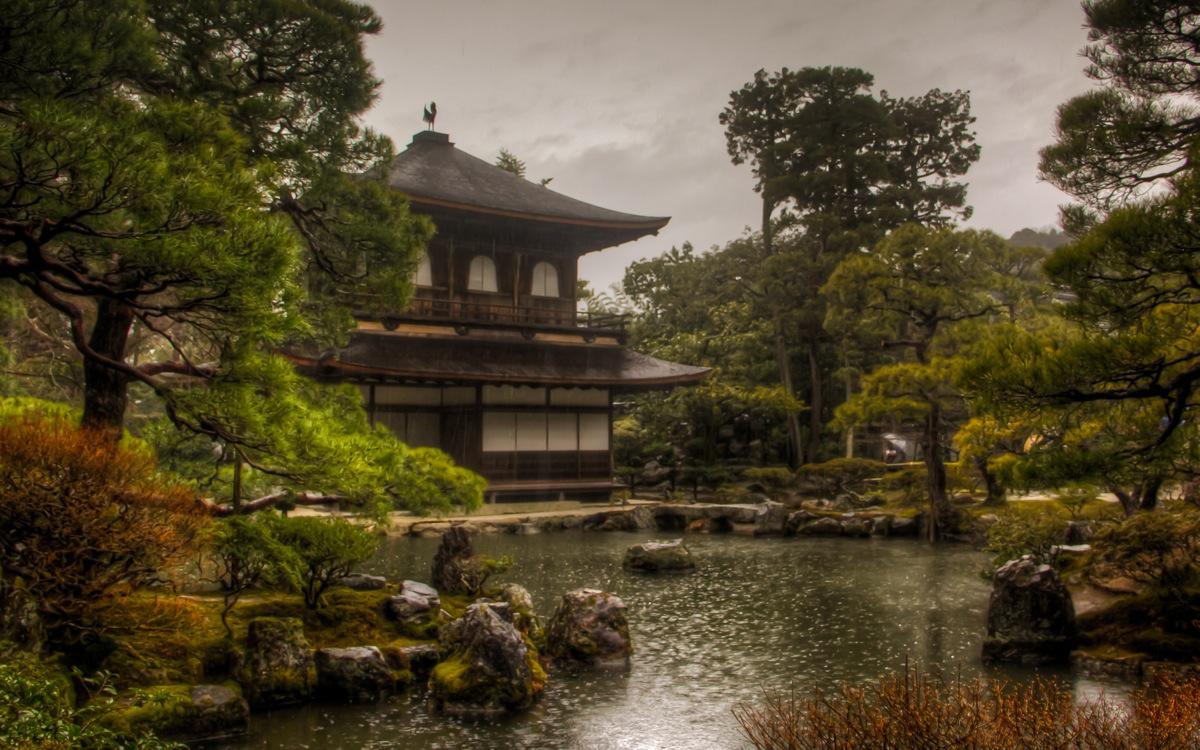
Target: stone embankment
761	519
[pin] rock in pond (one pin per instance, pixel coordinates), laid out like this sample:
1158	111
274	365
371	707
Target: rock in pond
1031	619
189	713
416	600
654	557
589	629
901	526
857	526
417	660
770	519
520	605
487	668
452	561
277	667
798	518
358	674
824	526
363	582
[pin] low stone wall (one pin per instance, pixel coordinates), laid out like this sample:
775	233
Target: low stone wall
762	519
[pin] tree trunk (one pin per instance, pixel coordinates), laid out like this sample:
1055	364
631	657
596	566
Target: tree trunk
941	514
105	390
782	361
1143	496
1148	497
816	406
785	379
1128	502
995	490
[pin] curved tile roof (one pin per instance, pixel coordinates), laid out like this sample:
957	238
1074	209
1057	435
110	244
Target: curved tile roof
376	354
432	171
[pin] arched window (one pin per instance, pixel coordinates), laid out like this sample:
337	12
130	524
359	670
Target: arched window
424	273
545	280
482	275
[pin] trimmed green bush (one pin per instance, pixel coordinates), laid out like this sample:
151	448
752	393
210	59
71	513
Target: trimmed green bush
327	550
839	476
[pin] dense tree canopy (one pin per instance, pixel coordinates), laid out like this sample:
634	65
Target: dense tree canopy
913	293
188	187
846	166
1113	382
1140	127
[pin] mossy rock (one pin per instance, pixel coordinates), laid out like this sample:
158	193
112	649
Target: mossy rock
488	667
183	712
589	629
278	667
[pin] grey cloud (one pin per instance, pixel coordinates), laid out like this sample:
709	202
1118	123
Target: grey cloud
618	101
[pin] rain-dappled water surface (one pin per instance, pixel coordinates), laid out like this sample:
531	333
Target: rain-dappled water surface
759	613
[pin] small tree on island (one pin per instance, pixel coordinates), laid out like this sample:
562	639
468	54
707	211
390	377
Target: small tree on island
324	551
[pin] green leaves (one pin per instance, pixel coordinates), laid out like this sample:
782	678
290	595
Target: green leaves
1136	132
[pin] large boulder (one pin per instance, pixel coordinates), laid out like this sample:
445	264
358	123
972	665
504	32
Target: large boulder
190	713
1031	619
364	582
520	606
277	668
823	526
415	601
619	521
901	526
857	526
452	562
654	557
487	667
643	517
358	674
770	519
798	518
589	629
417	659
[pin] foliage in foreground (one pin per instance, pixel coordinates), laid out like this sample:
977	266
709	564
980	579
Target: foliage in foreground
912	711
84	521
36	713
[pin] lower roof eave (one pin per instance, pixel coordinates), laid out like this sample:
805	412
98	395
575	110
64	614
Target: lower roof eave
332	369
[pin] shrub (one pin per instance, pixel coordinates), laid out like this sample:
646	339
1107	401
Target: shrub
37	712
1020	532
1075	498
775	479
246	555
910	711
479	568
326	550
84	521
1157	548
839	476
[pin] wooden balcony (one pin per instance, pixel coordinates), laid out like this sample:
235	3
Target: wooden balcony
488	311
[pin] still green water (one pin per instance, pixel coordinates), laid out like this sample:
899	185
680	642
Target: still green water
758	614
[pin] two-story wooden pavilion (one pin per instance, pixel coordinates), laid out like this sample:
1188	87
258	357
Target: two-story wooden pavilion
491	361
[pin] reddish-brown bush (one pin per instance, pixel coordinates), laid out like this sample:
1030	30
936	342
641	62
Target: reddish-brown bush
910	711
84	521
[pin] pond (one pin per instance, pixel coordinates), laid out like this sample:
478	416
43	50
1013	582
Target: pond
758	614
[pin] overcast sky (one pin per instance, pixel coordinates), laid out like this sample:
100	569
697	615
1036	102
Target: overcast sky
618	100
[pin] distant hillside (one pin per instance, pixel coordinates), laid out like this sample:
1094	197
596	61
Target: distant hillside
1046	238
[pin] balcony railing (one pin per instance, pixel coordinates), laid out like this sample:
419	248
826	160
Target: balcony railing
489	313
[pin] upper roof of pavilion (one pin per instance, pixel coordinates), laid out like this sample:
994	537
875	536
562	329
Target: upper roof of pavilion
439	179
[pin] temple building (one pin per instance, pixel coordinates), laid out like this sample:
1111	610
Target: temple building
491	361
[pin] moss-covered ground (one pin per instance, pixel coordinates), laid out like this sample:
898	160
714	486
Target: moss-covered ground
162	638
